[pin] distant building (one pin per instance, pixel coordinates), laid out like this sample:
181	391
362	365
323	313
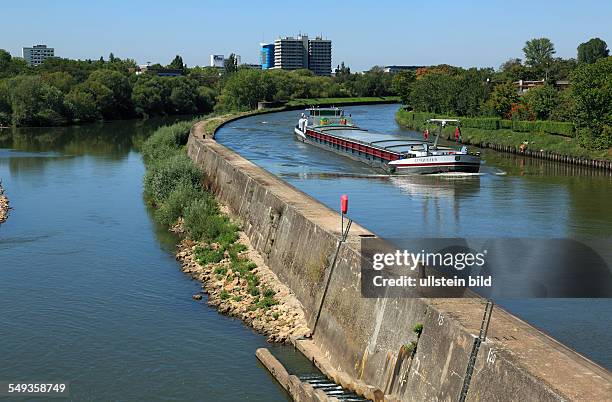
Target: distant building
319	56
160	72
522	86
397	69
216	60
37	54
267	55
291	53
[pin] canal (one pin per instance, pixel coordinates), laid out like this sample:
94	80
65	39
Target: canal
90	292
514	197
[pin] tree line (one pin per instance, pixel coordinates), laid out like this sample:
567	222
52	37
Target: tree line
63	91
474	92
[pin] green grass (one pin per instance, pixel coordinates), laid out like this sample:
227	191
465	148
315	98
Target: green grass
506	137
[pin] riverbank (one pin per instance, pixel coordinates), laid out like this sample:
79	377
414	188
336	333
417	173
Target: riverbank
274	312
214	250
4	205
538	145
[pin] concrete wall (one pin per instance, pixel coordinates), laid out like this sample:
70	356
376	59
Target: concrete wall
367	338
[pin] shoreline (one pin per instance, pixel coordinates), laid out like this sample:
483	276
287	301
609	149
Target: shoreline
537	153
228	292
4	205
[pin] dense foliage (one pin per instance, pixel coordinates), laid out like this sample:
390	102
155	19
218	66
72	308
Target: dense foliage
550	106
61	91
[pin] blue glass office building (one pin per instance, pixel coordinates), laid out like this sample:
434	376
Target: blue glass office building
267	55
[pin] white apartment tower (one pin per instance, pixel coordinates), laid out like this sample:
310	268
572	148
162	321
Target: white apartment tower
291	53
295	53
37	54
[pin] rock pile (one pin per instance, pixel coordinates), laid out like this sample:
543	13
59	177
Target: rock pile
4	205
280	317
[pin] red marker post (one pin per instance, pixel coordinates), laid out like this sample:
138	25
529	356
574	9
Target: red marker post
343	211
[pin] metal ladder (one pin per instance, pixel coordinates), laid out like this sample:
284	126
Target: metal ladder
482	336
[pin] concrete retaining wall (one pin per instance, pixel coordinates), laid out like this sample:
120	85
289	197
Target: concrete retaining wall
368	338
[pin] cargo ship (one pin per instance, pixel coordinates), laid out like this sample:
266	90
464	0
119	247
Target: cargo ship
331	129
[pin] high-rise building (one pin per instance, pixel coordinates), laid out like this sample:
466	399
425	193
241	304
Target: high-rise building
291	53
37	54
319	56
267	55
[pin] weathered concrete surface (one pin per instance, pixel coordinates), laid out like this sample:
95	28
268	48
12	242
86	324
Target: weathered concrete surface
366	338
299	391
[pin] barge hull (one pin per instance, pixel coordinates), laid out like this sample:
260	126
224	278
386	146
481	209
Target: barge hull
471	165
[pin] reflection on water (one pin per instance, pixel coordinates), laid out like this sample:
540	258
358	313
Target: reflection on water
90	291
514	197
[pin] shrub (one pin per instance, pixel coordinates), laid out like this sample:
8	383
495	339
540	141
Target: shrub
181	196
504	123
202	220
166	175
550	127
485	123
165	142
206	255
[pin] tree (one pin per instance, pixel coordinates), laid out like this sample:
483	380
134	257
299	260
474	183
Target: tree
593	50
245	88
433	92
501	100
401	84
592	95
177	63
542	101
82	105
183	96
11	66
342	70
231	64
111	57
35	103
539	53
150	95
117	103
60	80
514	70
472	90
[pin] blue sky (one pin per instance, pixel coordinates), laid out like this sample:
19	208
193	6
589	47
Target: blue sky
364	33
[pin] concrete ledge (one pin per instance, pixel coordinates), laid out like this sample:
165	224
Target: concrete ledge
299	391
365	339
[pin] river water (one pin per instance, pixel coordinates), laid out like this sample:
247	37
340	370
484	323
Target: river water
515	197
90	292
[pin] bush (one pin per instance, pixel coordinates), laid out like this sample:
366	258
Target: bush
485	123
203	222
165	142
206	255
166	175
550	127
170	210
505	124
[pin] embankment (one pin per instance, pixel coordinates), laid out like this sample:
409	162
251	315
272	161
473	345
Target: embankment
368	340
4	205
539	145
